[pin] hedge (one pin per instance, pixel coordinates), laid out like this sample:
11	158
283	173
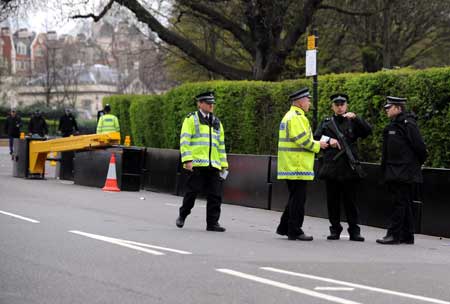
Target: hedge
251	110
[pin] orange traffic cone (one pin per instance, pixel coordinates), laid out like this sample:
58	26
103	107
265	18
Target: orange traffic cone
111	179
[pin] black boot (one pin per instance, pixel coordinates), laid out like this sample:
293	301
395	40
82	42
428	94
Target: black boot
355	234
301	237
180	221
334	236
281	230
335	233
407	239
388	240
215	227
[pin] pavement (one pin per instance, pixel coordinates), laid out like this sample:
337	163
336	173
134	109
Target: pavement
65	243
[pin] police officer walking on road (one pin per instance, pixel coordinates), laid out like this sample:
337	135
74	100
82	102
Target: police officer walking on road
13	124
404	152
67	124
107	122
339	167
296	150
202	148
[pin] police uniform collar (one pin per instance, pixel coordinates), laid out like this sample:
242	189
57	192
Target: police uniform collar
297	109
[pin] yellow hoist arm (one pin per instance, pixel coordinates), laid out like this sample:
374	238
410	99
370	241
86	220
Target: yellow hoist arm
38	150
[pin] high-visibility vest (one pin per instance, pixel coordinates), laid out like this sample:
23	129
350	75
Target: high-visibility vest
203	144
296	147
108	123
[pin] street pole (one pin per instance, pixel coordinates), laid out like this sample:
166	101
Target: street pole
315	86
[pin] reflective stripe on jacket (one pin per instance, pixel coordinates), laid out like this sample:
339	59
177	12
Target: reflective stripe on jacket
108	123
203	144
296	147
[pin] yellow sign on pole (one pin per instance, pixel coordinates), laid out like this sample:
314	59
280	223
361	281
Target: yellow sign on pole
311	42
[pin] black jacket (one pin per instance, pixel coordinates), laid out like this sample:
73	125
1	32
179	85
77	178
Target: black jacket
67	124
13	125
38	125
352	129
404	150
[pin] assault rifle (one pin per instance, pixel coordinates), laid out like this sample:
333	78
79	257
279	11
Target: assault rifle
354	164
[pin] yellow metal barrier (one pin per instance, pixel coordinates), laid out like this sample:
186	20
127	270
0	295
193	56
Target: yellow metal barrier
40	149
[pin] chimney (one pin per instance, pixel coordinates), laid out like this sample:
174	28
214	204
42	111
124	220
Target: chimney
51	35
23	33
5	31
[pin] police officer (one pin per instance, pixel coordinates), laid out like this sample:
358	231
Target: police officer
296	150
108	122
13	124
203	155
67	124
37	125
404	152
335	169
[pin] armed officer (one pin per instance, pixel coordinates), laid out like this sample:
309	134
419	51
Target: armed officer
202	148
340	168
404	152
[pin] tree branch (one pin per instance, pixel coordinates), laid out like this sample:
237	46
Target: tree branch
217	18
172	38
96	17
343	11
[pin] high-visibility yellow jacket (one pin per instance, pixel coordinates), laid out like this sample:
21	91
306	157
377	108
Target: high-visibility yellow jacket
202	143
108	123
296	147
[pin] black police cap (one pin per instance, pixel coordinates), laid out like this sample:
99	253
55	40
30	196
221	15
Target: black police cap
304	92
207	97
391	100
107	108
339	98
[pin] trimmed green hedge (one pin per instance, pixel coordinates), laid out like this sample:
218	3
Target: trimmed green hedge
251	110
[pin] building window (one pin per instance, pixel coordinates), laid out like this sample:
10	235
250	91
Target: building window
39	52
21	48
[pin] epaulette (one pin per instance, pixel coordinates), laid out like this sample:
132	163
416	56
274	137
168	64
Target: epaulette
190	114
327	119
298	113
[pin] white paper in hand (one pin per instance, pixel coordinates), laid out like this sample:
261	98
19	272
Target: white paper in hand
223	174
324	138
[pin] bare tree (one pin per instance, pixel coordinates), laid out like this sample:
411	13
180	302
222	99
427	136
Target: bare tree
266	30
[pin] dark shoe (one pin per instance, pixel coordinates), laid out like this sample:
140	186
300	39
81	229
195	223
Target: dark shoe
281	231
356	237
301	237
215	227
407	240
388	240
180	222
334	236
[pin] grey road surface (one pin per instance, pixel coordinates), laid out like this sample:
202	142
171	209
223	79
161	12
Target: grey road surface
64	243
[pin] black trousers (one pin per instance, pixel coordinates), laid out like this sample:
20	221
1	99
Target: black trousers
292	218
342	192
203	180
402	219
11	144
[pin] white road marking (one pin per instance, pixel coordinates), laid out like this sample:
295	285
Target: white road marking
334	288
287	286
381	290
20	217
130	244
